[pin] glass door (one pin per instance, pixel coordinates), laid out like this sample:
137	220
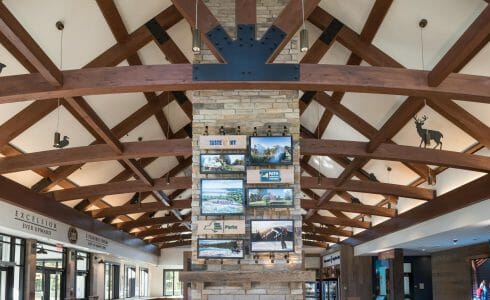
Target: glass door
48	285
6	283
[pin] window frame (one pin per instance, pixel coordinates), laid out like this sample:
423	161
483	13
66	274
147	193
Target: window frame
165	271
144	288
127	292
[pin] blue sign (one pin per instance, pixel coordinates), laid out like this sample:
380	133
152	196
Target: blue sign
270	176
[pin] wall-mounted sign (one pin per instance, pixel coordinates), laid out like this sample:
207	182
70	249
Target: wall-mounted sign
34	223
221	227
270	176
332	259
223	142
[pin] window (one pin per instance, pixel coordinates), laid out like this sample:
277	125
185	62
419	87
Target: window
171	283
111	281
130	284
12	252
81	280
144	282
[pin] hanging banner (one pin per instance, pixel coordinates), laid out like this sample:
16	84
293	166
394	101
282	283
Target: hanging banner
223	142
220	227
270	176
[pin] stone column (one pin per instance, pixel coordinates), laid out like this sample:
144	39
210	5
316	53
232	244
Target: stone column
248	109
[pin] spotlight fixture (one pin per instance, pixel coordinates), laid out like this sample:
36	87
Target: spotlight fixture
255	131
286	257
355	200
285	131
196	36
372	177
269	130
41	250
60	143
222	130
206	130
238	130
271	256
1	67
303	34
256	258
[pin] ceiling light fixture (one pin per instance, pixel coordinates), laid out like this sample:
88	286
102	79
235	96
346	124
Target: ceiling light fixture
303	34
58	142
41	250
196	35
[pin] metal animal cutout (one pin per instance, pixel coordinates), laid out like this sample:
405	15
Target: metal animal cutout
427	135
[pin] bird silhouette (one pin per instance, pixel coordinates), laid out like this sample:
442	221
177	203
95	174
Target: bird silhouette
1	67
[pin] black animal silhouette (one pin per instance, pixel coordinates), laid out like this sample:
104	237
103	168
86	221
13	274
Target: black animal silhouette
1	67
426	134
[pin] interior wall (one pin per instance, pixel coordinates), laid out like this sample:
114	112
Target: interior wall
451	271
422	276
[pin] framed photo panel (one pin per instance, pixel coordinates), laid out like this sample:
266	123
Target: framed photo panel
270	197
222	163
270	150
222	197
220	248
272	235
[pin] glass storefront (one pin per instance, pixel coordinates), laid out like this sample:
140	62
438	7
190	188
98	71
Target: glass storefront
12	252
50	272
82	275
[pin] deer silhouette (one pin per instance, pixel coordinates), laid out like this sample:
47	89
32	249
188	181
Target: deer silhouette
426	134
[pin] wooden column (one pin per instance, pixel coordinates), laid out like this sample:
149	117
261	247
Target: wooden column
395	284
70	273
355	275
30	270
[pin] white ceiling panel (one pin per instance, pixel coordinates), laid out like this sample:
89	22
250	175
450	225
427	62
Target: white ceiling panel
96	173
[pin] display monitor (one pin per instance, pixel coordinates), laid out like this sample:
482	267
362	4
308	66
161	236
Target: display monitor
220	248
222	197
270	150
270	197
272	235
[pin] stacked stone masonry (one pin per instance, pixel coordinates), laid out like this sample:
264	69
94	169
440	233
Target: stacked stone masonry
247	109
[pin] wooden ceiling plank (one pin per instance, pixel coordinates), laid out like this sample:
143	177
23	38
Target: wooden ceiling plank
245	12
339	221
138	208
94	153
179	77
471	39
368	187
311	244
463	196
350	207
121	187
17	54
13	31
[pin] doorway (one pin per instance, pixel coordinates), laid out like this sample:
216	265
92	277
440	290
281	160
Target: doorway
6	283
48	284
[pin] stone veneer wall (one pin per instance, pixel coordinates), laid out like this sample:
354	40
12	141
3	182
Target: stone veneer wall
247	109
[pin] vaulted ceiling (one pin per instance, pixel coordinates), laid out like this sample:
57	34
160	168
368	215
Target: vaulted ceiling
124	141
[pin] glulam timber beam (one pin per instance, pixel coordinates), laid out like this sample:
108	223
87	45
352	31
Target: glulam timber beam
138	208
245	12
339	221
179	77
155	232
93	153
127	226
463	196
121	187
320	238
315	244
350	207
177	243
367	187
328	230
13	31
471	39
171	238
387	151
